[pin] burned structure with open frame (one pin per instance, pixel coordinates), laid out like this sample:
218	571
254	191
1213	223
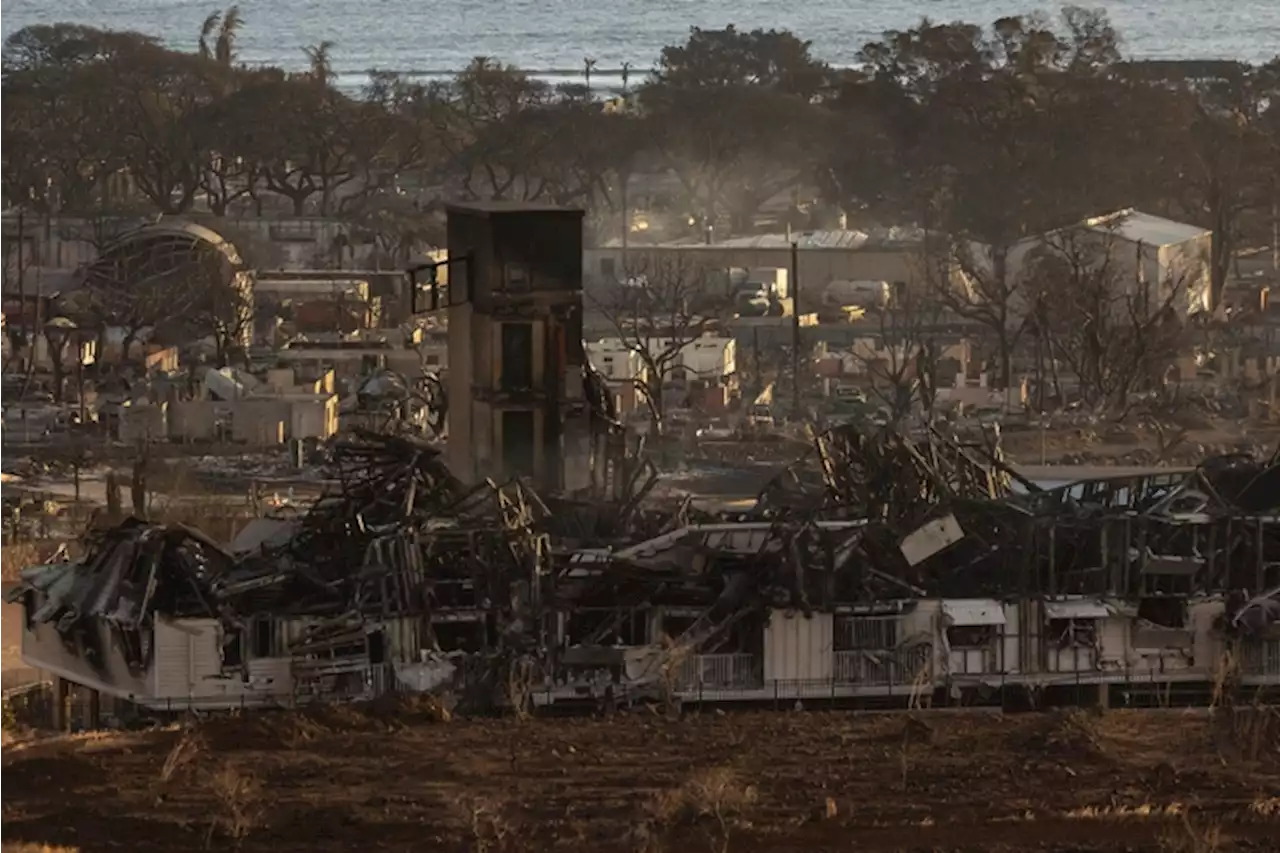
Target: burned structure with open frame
880	564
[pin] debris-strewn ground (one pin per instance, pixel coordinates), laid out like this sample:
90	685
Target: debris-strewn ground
397	779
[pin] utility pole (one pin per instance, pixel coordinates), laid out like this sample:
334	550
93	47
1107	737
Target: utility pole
22	266
795	328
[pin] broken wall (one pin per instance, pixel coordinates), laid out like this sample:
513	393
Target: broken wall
145	422
188	667
43	647
194	420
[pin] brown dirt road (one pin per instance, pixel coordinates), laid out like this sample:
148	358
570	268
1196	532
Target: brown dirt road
344	779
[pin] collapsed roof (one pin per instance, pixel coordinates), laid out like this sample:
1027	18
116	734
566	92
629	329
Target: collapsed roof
881	515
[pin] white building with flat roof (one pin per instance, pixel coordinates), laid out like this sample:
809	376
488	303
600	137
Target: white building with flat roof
1154	261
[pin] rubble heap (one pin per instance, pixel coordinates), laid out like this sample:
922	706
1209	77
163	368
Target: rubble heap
883	475
129	574
512	576
383	482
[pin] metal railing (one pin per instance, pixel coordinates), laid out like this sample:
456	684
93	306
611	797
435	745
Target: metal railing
1147	688
1260	657
1133	689
720	670
883	666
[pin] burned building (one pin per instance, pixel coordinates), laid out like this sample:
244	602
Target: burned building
189	267
515	343
879	565
937	577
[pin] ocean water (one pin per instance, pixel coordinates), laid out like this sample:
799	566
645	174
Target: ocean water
437	36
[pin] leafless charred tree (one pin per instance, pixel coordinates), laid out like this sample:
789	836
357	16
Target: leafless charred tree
59	333
976	283
900	355
134	310
1098	314
220	308
171	281
17	262
658	309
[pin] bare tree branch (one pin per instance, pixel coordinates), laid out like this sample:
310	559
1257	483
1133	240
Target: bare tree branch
900	357
658	309
1096	312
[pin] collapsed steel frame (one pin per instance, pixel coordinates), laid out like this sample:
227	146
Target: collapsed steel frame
511	575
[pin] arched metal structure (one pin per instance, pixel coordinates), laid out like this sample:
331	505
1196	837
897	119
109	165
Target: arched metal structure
179	275
162	249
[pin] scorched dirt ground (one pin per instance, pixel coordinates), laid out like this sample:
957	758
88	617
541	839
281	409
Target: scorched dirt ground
352	779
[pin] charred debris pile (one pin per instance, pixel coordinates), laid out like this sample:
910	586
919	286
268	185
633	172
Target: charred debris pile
864	516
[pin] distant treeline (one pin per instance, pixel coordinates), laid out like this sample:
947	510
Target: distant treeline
982	133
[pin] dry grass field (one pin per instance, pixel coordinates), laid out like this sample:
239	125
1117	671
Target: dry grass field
399	778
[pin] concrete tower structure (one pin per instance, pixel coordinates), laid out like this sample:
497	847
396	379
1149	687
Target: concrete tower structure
515	383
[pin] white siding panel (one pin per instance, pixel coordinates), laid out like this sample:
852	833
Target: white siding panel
188	665
1072	659
188	659
206	651
797	647
171	661
1009	647
1207	642
1113	638
270	676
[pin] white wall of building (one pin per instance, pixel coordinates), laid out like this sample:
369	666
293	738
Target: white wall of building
1147	252
705	358
798	647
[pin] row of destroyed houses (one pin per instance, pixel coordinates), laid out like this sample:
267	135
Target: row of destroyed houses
348	321
402	577
883	565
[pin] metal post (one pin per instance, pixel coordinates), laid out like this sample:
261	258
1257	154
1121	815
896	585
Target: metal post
84	422
22	283
795	327
626	220
1044	431
59	718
